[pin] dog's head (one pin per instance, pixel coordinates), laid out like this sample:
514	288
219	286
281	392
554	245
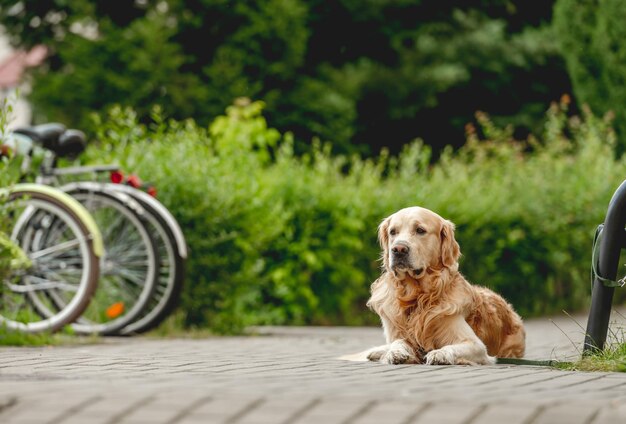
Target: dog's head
415	240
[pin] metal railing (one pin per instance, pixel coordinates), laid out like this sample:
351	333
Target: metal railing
611	238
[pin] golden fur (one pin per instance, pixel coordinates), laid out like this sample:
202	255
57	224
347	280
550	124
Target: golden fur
429	311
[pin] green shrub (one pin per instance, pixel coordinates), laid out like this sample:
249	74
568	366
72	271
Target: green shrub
9	173
279	239
526	220
591	36
272	237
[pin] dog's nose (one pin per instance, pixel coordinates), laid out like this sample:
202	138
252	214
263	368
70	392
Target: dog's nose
400	249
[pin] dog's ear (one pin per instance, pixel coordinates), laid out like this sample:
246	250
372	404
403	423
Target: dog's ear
383	239
450	250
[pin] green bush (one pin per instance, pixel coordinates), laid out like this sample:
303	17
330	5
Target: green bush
591	34
279	239
527	218
9	173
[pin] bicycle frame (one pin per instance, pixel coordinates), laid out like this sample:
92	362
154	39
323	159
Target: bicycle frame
48	175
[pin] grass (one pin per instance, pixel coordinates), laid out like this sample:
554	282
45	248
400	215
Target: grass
612	359
173	328
64	337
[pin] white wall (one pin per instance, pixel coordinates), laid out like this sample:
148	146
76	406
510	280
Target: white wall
22	113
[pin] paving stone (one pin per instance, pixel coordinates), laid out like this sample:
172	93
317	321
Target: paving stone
614	413
392	411
509	413
567	414
335	411
292	375
449	413
277	410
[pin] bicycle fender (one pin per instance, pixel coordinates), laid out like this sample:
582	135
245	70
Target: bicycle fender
126	199
163	211
74	205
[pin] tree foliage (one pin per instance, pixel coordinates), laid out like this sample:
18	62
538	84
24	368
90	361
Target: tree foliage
592	34
342	70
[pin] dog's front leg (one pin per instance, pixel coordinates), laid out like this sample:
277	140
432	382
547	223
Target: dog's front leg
396	352
459	346
376	353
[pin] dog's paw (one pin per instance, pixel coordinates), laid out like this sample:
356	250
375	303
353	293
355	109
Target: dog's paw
395	357
376	354
487	360
447	355
443	356
399	353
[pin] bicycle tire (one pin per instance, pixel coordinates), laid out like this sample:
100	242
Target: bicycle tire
173	253
129	274
36	209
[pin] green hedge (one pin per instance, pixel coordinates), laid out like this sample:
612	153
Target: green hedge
279	239
9	174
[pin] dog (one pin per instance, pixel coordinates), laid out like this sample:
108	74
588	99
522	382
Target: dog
430	313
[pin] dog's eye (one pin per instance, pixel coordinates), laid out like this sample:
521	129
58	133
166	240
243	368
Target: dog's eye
392	232
420	230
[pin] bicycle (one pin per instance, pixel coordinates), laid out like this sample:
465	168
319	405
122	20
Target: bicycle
173	252
56	247
128	269
170	242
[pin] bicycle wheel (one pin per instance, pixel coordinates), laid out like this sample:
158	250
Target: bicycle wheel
128	271
172	253
57	247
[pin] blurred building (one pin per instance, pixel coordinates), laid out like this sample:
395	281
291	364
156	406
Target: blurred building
13	82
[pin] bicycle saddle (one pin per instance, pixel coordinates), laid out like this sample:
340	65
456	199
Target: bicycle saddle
45	134
55	137
71	143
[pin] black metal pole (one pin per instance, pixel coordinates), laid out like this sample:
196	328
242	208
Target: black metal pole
609	251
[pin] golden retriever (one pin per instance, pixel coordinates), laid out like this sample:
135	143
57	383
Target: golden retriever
430	313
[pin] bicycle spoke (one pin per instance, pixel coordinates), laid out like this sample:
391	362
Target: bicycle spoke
66	275
17	307
113	229
134	277
138	263
55	250
55	230
42	284
75	269
129	245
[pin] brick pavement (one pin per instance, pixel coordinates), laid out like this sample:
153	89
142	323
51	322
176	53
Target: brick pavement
292	375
